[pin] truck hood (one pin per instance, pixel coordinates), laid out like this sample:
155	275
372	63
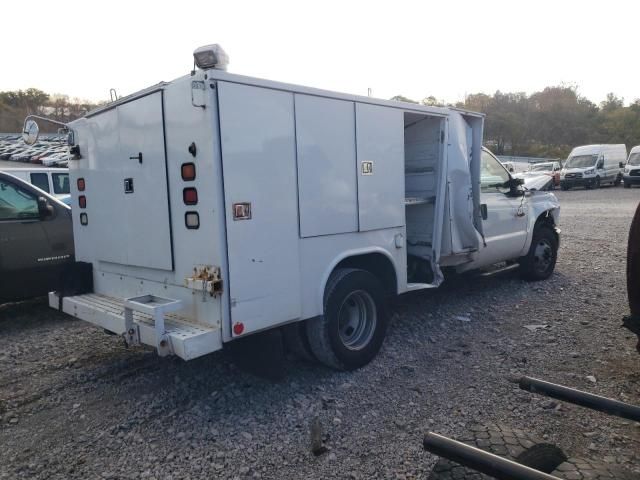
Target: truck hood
576	170
537	182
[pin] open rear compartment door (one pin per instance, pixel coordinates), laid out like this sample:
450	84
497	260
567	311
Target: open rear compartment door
424	152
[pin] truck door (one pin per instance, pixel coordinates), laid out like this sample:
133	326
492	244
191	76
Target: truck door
260	188
505	225
128	196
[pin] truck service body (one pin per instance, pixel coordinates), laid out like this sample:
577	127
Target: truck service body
218	205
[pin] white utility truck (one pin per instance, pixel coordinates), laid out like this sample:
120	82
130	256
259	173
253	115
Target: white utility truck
217	206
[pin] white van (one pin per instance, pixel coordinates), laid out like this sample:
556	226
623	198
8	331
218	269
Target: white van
590	166
54	181
217	206
631	174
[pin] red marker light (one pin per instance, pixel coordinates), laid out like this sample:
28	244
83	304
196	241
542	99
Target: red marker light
238	328
190	196
82	200
80	183
188	171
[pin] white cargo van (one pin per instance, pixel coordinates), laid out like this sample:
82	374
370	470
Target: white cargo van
631	175
54	181
590	166
217	206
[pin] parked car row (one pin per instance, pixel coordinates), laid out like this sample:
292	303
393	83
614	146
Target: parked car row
588	166
48	151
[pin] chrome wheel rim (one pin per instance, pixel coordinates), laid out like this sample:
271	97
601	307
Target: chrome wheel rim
543	256
357	319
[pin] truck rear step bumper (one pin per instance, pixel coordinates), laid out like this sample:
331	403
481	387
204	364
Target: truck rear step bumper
181	337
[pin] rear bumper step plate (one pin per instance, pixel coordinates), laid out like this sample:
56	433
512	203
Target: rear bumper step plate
185	339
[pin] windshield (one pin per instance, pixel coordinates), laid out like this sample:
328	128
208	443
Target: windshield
634	159
581	161
543	167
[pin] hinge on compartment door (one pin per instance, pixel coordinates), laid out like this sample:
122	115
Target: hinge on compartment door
205	278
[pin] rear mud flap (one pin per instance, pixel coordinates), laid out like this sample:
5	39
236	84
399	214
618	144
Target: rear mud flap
260	354
76	278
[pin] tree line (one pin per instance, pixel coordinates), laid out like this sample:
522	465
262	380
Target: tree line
548	123
551	122
16	105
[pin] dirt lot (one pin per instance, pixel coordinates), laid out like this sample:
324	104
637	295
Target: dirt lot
74	403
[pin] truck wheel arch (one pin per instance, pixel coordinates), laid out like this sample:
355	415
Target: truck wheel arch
377	261
545	218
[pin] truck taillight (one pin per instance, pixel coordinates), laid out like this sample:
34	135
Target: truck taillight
192	220
80	183
82	201
188	171
190	196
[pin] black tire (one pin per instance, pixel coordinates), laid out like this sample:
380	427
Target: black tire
296	341
351	338
617	181
597	183
540	262
564	187
627	185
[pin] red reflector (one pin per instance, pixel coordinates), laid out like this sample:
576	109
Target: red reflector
190	196
81	184
188	172
82	200
238	328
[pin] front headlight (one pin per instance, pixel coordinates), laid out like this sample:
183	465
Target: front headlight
591	171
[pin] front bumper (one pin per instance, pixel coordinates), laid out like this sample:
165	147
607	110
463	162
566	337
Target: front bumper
578	182
635	179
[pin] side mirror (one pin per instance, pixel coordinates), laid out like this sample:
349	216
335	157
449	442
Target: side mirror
30	132
621	164
514	184
44	209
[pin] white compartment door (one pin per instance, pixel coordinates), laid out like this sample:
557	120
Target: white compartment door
380	153
129	177
259	161
325	130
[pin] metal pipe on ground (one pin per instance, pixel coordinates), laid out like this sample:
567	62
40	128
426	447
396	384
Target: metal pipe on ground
578	397
484	462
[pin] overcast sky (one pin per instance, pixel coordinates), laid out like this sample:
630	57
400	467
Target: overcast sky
444	48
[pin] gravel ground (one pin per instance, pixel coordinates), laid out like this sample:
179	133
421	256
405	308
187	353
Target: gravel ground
74	403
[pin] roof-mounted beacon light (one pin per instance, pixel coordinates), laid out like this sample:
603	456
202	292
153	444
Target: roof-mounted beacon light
211	56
